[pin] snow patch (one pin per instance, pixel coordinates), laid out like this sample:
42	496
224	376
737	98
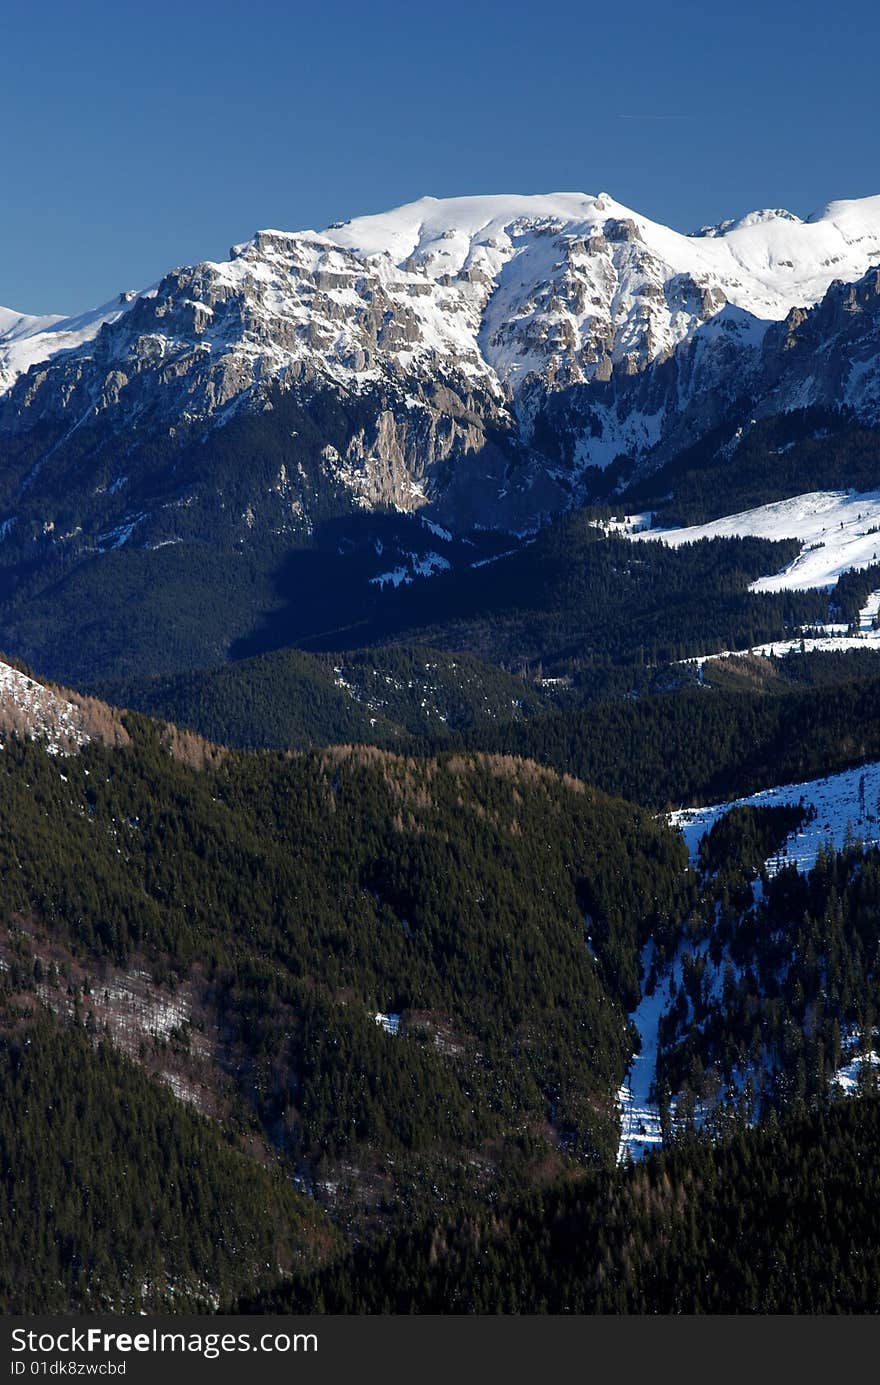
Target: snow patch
850	1076
847	806
39	712
639	1114
418	565
436	529
390	1023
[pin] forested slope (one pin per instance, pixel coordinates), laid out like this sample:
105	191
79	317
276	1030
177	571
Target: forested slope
396	974
781	1219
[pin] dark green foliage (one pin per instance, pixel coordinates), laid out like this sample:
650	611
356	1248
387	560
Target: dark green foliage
295	900
792	671
114	1196
776	1220
132	611
743	839
314	892
429	691
853	589
789	454
287	699
697	746
573	600
575	596
802	990
291	699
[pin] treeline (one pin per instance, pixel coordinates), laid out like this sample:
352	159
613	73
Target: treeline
853	589
606	617
800	995
795	670
576	601
576	595
237	540
789	454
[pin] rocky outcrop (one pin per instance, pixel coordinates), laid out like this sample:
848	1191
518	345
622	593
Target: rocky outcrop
829	355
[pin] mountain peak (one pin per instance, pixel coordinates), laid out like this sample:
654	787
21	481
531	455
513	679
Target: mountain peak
758	218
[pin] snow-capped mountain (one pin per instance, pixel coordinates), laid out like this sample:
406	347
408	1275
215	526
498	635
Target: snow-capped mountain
463	319
503	288
482	354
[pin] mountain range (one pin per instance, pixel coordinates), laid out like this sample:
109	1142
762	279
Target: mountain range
481	364
507	347
440	758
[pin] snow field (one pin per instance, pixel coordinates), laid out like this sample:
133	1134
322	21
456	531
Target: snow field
838	530
847	805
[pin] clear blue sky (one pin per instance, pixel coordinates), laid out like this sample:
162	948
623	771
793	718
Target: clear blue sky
137	136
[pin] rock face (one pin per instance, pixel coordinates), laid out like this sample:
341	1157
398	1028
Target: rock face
484	357
828	355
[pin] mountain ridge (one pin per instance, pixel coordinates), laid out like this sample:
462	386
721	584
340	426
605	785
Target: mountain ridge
401	230
490	291
485	363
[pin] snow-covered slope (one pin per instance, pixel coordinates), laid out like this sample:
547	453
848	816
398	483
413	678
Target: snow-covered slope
846	808
832	637
766	263
640	1127
26	341
847	805
14	325
21	342
840	530
504	286
28	707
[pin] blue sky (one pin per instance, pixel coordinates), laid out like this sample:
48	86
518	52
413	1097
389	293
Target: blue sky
137	136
